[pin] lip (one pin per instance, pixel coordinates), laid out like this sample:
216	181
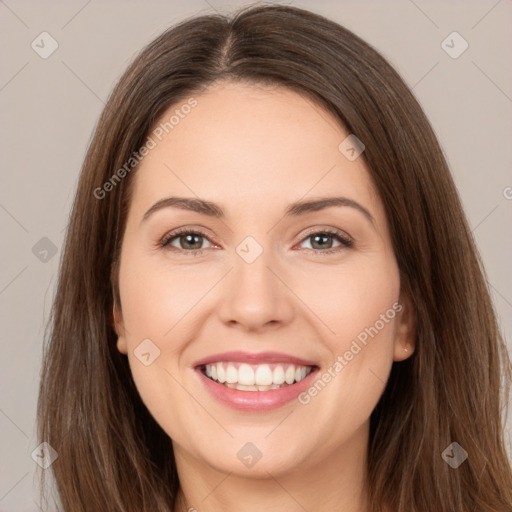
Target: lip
253	358
255	401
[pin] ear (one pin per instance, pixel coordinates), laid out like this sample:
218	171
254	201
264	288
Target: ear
405	328
118	324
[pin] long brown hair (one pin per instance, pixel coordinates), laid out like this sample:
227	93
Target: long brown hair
112	454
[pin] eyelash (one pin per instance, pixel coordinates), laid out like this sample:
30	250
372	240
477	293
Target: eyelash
342	238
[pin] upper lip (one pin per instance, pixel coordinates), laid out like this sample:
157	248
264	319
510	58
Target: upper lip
254	358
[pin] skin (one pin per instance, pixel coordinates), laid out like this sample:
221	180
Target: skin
254	150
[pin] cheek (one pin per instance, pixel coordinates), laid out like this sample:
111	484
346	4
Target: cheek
352	297
157	302
156	297
361	351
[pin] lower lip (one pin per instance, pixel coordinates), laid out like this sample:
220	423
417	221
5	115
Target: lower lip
256	400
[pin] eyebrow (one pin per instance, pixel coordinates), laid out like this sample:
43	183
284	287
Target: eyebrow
293	210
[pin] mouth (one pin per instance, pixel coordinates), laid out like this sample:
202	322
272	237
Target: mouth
255	382
255	377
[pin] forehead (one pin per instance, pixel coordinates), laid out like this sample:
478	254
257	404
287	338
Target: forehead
250	145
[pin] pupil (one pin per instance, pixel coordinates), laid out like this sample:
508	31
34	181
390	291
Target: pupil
189	240
321	237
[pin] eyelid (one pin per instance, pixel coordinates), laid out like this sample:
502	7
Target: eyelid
345	238
164	241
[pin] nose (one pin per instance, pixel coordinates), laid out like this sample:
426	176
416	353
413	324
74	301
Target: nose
255	295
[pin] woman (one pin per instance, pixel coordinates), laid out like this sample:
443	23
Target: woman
269	296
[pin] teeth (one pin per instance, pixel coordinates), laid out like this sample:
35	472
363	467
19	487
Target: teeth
263	375
289	376
300	373
241	387
245	377
278	375
231	375
221	373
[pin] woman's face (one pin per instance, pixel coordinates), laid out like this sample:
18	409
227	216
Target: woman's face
305	323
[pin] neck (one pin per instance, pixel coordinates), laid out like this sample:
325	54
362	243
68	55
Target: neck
336	482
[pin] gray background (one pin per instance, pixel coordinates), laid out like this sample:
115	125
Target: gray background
50	106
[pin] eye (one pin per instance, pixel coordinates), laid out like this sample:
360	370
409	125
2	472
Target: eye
185	240
322	241
191	241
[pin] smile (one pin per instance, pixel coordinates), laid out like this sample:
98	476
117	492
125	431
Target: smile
257	377
255	382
